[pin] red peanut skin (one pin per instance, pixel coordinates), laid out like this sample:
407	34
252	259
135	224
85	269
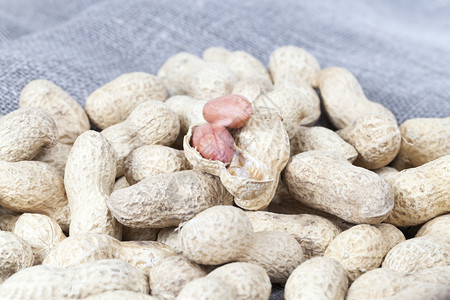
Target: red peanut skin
231	111
214	142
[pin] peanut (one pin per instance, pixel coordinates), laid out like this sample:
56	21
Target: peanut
313	233
437	228
40	232
343	98
48	282
113	102
320	138
150	123
317	278
171	274
167	199
25	132
420	193
83	248
423	140
417	254
358	249
187	74
206	288
382	283
253	87
216	236
15	254
69	116
392	235
362	196
298	105
120	295
223	234
249	281
151	160
244	65
215	54
189	111
293	64
34	187
375	137
231	111
213	142
89	180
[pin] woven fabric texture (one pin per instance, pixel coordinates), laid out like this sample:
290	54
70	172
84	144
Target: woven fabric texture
398	50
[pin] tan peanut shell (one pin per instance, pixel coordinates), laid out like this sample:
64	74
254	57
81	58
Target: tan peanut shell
207	288
171	274
277	252
249	281
343	98
25	132
264	137
392	235
120	183
169	236
40	232
423	140
167	199
120	295
327	182
253	87
293	64
245	65
49	282
15	254
89	180
151	160
83	248
144	254
437	228
375	137
358	249
113	102
417	254
150	123
216	235
387	284
421	193
70	118
34	187
55	156
189	111
216	54
187	74
284	203
313	233
297	105
139	234
387	173
317	278
320	138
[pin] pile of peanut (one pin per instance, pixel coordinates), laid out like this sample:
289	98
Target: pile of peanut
223	189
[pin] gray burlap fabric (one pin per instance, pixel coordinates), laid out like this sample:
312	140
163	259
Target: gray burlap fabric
399	50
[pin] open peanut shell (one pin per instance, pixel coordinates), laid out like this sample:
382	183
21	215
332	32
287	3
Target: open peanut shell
245	177
262	151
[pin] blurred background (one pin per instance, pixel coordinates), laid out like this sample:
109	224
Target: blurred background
398	50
